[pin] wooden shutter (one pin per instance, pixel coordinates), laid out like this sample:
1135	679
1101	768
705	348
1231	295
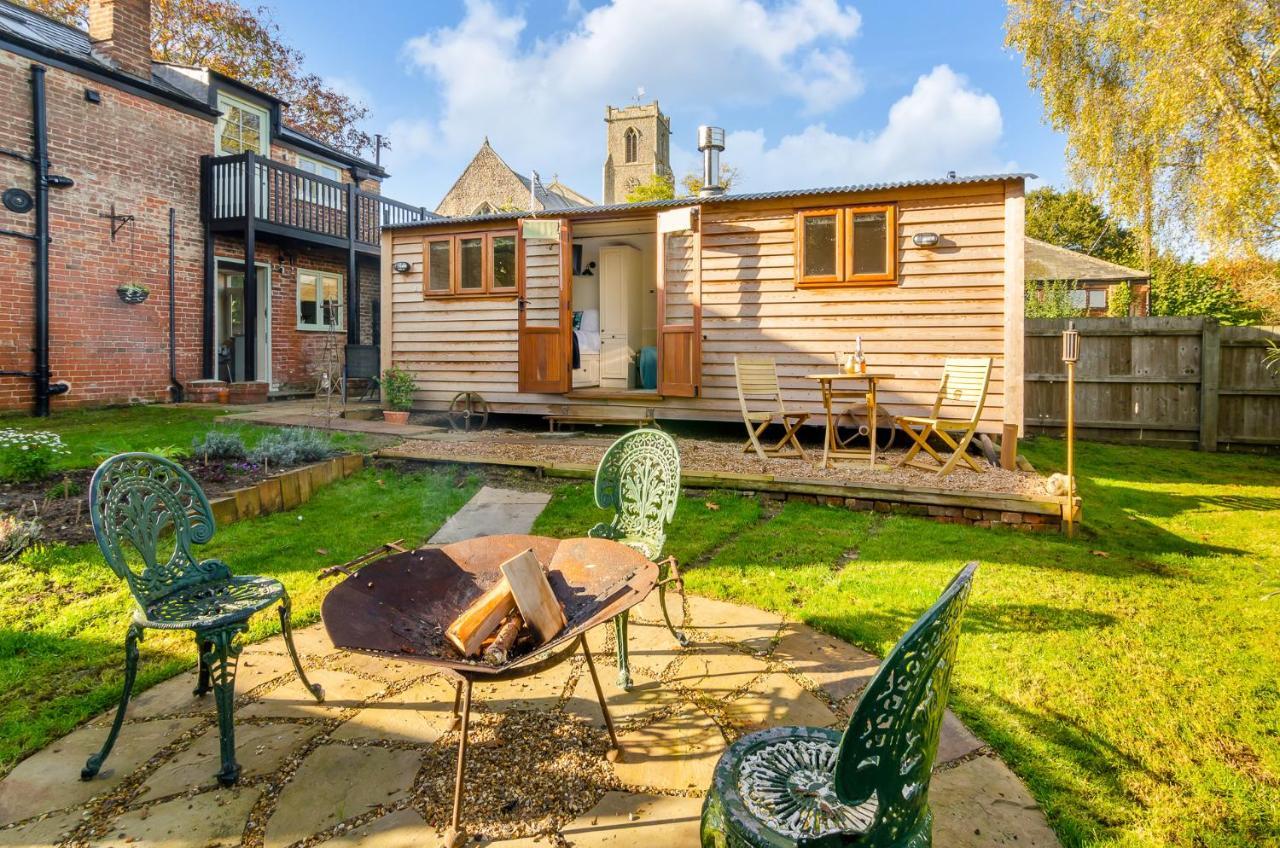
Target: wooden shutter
543	338
680	307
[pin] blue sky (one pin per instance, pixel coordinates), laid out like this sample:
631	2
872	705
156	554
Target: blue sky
811	92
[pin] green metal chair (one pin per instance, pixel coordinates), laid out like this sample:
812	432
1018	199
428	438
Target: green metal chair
810	786
140	504
639	479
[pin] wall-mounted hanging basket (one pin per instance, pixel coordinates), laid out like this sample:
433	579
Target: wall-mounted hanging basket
132	294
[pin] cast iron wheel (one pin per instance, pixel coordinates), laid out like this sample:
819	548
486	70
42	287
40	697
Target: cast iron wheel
468	411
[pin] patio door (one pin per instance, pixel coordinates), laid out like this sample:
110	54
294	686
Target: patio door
229	324
679	269
545	275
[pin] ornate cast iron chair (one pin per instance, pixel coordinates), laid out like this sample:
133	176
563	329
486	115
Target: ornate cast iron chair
790	786
141	505
639	479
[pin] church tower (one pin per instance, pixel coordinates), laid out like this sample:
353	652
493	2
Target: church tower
637	145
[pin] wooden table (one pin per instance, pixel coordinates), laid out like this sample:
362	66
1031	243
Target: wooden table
831	450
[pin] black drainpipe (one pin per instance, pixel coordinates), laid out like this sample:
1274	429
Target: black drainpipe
175	388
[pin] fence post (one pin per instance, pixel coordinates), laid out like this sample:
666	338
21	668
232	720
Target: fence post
1210	371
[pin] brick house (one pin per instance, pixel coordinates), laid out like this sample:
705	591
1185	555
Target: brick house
162	165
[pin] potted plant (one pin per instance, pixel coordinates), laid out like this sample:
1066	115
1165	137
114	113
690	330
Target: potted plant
397	393
133	292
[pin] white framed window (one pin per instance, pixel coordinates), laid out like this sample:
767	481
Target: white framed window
242	127
1097	298
323	195
320	169
320	301
1079	299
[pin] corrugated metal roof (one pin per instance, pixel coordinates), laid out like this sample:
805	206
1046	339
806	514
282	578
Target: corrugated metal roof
1045	261
579	211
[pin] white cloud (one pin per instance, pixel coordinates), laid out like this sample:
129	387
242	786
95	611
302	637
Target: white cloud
942	124
535	99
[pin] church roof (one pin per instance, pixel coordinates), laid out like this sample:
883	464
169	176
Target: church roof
554	197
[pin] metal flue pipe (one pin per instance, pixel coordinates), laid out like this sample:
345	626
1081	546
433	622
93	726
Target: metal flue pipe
711	144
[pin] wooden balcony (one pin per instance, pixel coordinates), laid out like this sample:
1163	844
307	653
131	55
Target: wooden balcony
295	204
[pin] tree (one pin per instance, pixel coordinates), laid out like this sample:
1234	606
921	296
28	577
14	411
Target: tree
1072	220
1171	110
1185	288
692	182
657	187
243	44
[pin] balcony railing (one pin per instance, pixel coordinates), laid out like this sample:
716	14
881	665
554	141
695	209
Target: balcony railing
295	202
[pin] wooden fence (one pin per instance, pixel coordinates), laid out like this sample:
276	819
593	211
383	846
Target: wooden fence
1175	381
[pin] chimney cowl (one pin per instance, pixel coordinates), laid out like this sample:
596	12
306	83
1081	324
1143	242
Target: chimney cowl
711	144
121	30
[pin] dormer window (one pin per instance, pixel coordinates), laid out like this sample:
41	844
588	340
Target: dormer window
242	127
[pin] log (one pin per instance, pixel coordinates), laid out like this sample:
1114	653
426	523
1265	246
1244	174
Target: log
468	630
533	595
498	651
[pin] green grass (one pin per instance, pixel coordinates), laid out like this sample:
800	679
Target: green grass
63	613
86	432
1131	676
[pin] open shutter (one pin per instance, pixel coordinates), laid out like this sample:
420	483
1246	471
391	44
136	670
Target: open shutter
679	303
544	274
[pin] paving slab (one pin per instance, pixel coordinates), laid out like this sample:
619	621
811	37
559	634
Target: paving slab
980	804
422	713
491	511
50	778
338	782
956	740
625	818
651	648
311	641
260	749
718	671
342	691
719	621
838	667
647	697
403	829
677	753
209	820
41	833
777	700
541	691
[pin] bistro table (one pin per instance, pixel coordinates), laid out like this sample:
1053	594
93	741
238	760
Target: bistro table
832	451
398	607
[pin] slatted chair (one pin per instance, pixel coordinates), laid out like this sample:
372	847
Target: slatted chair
867	787
964	386
757	379
140	505
639	479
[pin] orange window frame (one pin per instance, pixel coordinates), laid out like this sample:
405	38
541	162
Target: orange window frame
844	275
455	290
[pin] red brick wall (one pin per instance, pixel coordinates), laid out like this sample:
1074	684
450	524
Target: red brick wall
143	157
299	356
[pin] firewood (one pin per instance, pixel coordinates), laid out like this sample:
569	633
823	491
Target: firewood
499	650
533	595
468	630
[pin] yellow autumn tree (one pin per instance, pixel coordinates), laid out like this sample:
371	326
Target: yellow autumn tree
1171	110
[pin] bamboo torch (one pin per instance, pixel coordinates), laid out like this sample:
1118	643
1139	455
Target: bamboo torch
1071	355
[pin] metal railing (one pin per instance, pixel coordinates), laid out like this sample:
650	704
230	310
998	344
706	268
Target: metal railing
287	197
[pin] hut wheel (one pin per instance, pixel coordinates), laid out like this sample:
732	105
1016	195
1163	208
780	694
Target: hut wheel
468	411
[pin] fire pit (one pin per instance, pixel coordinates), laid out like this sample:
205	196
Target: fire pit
400	606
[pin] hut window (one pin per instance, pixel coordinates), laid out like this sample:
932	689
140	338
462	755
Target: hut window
631	141
850	246
471	264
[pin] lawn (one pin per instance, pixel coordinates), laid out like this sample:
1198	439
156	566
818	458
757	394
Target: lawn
63	613
1131	677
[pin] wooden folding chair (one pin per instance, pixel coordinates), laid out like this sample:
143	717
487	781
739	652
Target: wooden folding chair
964	384
758	379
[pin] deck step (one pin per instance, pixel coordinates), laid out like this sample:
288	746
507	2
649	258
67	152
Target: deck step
582	417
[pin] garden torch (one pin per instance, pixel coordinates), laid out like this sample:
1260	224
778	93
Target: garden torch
1071	355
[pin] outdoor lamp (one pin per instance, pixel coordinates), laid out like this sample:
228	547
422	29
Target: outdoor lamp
1071	355
400	267
925	239
1071	343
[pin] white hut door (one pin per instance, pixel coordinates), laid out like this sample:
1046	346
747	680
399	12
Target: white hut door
545	279
679	268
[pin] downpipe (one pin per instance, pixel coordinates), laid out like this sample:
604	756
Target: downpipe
175	388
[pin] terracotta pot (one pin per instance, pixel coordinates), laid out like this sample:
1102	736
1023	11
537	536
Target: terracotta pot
396	416
224	395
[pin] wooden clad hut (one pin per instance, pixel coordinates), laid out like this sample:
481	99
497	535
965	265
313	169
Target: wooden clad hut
507	304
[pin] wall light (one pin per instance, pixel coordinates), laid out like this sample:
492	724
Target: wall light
925	239
400	267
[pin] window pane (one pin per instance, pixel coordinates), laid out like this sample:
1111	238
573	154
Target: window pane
471	261
870	247
307	299
1079	298
504	262
1098	298
438	276
820	246
332	314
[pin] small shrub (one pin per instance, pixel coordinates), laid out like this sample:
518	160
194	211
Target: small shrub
398	388
292	446
64	488
29	455
218	444
16	535
170	452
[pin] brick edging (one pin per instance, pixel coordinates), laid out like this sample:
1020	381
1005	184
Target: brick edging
283	491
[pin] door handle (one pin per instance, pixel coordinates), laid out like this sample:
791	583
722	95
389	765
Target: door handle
522	303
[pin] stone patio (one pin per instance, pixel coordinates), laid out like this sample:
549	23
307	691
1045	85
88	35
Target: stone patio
373	765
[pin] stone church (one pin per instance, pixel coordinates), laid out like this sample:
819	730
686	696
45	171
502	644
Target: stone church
637	145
